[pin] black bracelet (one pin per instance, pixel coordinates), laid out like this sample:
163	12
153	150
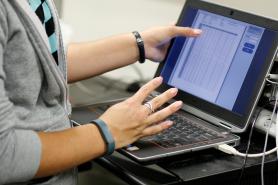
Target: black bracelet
141	47
106	135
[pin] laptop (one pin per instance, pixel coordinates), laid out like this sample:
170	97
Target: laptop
220	76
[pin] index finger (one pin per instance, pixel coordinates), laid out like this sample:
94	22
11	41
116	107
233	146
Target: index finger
185	31
146	89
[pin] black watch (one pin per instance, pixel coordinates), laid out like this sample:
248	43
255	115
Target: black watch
141	47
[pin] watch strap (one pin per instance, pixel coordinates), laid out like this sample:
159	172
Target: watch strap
106	135
140	45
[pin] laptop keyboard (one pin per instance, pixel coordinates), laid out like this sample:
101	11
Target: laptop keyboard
184	132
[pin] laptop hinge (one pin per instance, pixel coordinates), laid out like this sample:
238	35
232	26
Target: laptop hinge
221	124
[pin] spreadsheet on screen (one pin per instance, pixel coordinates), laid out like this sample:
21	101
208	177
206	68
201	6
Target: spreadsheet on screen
214	65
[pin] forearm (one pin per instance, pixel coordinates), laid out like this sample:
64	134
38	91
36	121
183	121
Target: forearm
67	149
89	59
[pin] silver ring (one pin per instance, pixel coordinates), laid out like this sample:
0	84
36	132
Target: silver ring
149	106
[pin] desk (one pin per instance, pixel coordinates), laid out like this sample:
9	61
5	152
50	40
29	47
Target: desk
202	168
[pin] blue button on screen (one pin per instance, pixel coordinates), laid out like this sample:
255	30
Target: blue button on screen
247	50
249	45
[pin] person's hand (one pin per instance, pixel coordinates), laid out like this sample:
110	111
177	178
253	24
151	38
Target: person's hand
157	39
131	119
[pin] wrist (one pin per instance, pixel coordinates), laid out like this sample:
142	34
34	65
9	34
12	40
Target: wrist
97	146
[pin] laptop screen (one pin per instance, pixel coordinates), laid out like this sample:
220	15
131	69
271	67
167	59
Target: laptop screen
223	65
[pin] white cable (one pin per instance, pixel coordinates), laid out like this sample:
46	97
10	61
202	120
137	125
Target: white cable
276	135
266	137
231	150
270	81
272	76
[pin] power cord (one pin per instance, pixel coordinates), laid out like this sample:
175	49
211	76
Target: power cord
274	77
230	150
266	139
249	142
250	137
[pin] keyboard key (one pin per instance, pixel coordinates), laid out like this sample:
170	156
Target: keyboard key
183	132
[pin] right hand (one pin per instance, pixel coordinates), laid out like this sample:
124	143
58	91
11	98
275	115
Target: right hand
130	120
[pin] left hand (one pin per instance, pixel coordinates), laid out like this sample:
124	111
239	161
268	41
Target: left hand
131	119
157	39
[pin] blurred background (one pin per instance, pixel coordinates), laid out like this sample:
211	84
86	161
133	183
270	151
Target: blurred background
92	20
95	19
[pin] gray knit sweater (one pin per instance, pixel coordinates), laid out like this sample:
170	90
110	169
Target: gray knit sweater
33	93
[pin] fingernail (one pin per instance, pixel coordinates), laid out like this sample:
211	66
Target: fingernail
158	80
169	123
179	103
197	31
174	90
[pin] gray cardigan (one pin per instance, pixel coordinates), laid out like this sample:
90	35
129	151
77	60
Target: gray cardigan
33	93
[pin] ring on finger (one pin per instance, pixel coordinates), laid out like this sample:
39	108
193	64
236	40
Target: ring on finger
149	106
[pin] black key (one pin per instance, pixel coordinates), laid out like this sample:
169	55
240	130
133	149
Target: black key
183	132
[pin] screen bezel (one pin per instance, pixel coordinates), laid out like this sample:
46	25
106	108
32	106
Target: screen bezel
236	120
